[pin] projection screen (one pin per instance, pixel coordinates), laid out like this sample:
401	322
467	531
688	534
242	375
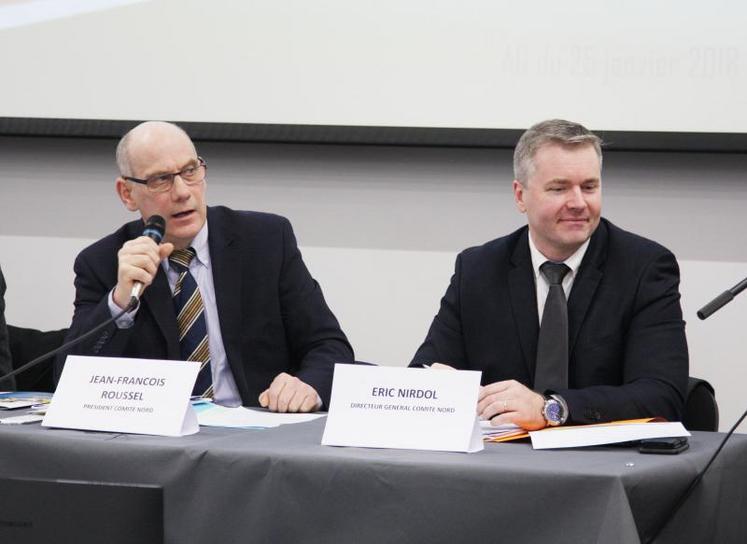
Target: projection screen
674	67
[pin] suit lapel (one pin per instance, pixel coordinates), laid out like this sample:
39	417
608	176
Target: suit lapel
523	296
226	266
586	283
158	299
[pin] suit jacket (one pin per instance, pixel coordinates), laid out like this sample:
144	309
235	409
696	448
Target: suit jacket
273	317
627	349
6	365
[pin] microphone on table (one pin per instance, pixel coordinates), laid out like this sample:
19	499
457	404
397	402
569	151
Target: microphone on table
722	300
707	310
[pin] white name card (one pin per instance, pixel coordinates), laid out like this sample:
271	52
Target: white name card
406	408
143	396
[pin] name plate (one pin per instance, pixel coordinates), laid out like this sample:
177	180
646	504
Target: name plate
405	408
143	396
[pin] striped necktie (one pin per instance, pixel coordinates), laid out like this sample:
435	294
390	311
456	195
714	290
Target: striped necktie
190	312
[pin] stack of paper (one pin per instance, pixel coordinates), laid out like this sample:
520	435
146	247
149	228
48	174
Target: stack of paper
576	436
23	399
501	433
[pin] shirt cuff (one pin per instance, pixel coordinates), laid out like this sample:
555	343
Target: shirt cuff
127	320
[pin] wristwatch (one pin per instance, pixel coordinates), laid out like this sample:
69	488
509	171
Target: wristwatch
555	410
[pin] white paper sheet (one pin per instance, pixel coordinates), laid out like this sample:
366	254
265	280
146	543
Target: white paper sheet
596	435
214	415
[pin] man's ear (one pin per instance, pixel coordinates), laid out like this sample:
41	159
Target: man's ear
124	192
519	196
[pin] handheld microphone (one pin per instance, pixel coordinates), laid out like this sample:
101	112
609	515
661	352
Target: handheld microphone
154	229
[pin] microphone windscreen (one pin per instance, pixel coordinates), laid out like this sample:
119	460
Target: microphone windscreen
154	228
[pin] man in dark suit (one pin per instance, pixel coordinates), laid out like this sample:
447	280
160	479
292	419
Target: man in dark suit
6	365
621	351
267	336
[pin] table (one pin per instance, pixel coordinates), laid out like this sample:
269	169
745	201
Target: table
281	486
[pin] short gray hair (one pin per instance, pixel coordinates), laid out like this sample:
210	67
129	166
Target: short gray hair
552	131
123	147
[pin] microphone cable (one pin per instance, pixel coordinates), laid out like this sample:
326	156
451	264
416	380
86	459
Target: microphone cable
71	343
154	229
689	491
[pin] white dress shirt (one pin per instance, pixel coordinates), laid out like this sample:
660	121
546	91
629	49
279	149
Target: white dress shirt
540	282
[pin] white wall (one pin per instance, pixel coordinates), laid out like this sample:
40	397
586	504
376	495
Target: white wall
380	227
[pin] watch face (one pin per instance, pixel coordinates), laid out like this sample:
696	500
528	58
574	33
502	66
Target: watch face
552	411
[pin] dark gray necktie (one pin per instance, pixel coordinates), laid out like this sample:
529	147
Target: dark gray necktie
551	371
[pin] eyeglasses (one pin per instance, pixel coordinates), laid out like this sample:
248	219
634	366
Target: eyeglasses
161	183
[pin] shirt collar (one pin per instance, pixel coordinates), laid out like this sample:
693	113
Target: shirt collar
200	245
572	262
